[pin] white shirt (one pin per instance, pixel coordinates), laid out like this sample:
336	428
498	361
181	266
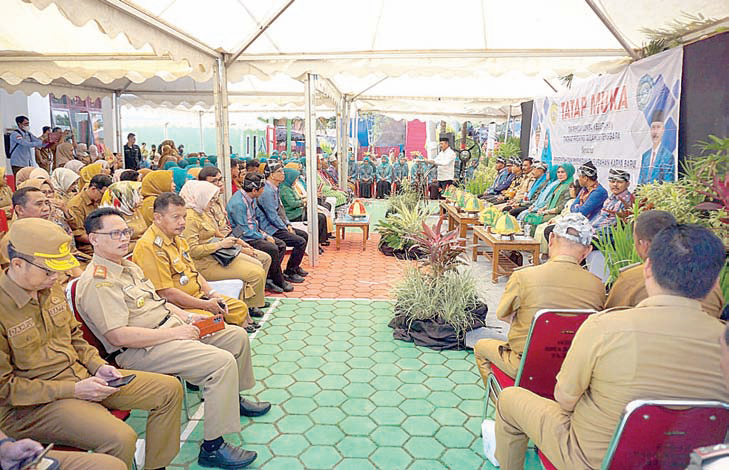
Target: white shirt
446	164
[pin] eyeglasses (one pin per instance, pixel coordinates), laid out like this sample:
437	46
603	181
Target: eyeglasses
49	272
118	234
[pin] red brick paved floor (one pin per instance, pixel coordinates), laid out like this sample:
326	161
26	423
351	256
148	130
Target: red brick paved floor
349	273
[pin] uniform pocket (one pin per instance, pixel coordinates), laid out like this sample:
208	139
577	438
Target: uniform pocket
25	347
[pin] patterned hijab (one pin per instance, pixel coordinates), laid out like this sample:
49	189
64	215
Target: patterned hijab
62	179
124	196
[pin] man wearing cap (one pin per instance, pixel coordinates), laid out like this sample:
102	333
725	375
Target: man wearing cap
630	288
81	205
503	178
538	175
559	283
657	163
664	348
144	331
445	161
53	384
514	167
619	201
272	217
592	195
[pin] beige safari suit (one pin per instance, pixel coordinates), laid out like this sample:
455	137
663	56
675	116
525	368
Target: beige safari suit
559	283
664	348
78	208
199	230
220	363
629	291
43	355
166	261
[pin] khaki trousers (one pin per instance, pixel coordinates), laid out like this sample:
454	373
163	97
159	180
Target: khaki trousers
493	351
220	364
89	425
522	415
84	461
246	268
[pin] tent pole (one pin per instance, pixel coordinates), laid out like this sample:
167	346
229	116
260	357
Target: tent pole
311	170
508	122
224	155
202	137
613	30
355	135
344	145
118	144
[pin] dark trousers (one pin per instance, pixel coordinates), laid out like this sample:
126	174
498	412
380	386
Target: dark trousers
437	186
297	241
518	210
383	189
322	225
276	251
365	189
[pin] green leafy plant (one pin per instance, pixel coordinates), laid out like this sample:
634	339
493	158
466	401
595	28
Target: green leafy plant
617	247
407	197
397	229
510	148
442	250
483	177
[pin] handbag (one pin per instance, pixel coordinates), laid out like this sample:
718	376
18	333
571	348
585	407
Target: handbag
225	256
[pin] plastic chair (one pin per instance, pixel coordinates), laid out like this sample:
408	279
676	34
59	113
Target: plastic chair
91	338
3	222
550	337
660	434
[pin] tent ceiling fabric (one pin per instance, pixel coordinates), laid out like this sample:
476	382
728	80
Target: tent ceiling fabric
497	53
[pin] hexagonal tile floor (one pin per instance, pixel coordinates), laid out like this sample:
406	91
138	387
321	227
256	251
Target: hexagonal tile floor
348	396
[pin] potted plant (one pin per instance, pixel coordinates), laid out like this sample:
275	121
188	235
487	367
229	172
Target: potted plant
436	302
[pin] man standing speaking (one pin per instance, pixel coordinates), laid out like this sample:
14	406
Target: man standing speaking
445	161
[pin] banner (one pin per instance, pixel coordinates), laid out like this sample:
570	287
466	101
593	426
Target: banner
626	121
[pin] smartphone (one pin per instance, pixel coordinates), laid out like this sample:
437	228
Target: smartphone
38	458
121	381
222	305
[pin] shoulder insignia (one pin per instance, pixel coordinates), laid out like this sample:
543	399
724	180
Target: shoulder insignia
176	260
104	284
100	271
186	255
55	300
630	266
21	327
158	241
140	302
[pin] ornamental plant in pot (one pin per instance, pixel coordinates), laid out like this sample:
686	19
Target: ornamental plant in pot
436	302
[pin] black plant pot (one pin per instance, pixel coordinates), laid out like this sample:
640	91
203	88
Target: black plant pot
434	333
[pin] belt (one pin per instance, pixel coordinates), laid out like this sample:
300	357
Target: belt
111	357
164	320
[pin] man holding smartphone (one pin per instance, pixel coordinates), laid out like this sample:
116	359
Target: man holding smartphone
53	384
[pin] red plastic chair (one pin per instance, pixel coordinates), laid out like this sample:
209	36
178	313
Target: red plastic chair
10	179
660	434
550	337
3	222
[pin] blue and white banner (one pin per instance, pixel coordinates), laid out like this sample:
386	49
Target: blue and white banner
627	121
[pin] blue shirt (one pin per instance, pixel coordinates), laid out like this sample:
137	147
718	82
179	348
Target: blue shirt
22	145
592	205
241	212
503	181
267	211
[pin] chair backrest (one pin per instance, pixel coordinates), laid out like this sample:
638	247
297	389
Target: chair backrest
660	434
550	337
87	333
3	221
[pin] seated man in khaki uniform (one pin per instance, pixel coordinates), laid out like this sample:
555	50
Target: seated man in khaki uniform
144	331
81	205
629	288
559	283
664	348
164	256
53	384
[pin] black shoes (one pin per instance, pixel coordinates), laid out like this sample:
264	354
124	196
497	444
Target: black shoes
253	408
226	456
325	243
271	287
301	272
266	305
287	287
293	277
255	312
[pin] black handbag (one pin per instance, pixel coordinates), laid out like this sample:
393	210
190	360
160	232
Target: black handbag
225	256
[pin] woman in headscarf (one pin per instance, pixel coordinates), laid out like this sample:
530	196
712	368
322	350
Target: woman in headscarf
547	150
82	153
93	153
125	196
6	195
57	214
89	171
384	178
143	172
295	207
154	184
167	155
553	202
366	177
40	173
574	188
64	182
180	177
204	239
74	165
23	175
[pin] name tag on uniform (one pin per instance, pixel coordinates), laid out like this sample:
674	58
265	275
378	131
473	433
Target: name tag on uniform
56	309
21	327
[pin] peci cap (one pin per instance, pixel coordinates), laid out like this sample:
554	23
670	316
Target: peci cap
272	167
618	175
576	228
501	160
444	138
43	240
588	169
539	166
515	161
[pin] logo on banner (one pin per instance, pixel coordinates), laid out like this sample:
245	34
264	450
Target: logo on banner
643	91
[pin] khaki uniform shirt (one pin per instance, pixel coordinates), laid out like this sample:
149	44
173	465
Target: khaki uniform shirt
199	230
664	348
220	216
78	208
112	296
559	283
629	291
167	262
523	189
42	350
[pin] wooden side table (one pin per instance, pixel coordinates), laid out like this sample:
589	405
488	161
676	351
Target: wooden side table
357	222
502	266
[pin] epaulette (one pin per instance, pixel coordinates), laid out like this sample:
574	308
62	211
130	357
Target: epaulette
100	272
158	241
614	309
630	266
